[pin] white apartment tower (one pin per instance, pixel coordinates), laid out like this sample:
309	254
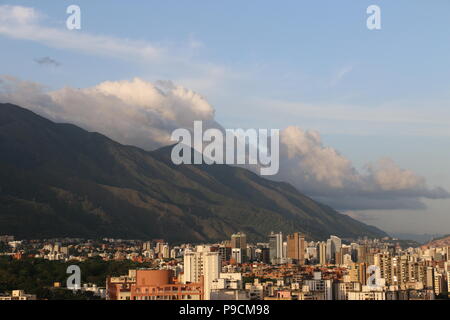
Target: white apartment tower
202	262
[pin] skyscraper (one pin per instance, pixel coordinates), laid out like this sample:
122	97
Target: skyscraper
276	247
322	248
296	248
200	263
334	245
239	241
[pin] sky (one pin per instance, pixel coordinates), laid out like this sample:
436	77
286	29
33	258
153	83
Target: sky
345	96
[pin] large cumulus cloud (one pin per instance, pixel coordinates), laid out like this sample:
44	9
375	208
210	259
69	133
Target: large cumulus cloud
325	174
132	112
144	114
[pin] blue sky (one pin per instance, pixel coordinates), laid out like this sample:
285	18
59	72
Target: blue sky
312	64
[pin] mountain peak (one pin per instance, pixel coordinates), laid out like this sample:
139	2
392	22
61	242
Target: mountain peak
60	180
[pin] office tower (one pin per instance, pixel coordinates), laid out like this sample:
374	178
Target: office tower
322	248
354	251
330	253
224	254
362	253
311	252
334	245
239	241
338	257
362	273
251	255
276	247
429	278
265	255
236	255
202	263
358	272
337	245
296	248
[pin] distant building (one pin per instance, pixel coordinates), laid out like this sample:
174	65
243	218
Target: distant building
276	247
239	241
228	287
18	295
334	245
236	255
296	248
202	263
146	284
322	248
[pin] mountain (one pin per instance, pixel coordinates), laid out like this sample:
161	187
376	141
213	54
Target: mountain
419	238
443	241
59	180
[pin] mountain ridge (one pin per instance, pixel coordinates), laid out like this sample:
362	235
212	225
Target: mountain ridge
442	241
61	180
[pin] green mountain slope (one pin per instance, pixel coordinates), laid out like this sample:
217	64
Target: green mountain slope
60	180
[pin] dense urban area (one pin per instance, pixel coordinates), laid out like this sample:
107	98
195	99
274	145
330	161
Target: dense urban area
283	268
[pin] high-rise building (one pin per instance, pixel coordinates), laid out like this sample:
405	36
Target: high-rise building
322	248
239	241
202	262
224	254
265	255
296	248
276	247
354	251
362	252
358	273
334	245
429	278
236	255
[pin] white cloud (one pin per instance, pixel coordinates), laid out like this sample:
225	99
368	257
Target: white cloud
132	112
171	61
25	23
144	114
322	172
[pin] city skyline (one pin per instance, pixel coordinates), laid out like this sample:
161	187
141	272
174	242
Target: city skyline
358	269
